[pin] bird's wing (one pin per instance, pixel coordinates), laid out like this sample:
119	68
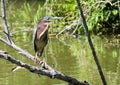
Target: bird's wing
43	30
34	38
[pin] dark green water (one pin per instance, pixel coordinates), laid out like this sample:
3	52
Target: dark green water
71	56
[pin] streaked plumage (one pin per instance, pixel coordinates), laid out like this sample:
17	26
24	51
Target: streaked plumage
40	37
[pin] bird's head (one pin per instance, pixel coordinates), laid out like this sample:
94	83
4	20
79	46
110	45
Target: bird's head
49	18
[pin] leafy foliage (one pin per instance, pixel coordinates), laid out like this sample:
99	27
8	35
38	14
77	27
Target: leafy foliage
104	19
102	16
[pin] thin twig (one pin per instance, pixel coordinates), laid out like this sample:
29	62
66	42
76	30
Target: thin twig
68	27
5	21
91	44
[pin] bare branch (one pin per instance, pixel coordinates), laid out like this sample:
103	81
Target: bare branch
21	51
50	73
68	27
90	43
5	21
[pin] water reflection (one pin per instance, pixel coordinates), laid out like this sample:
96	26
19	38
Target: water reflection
70	56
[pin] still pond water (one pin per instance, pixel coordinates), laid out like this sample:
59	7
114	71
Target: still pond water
71	56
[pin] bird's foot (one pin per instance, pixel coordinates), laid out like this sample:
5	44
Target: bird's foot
36	60
43	64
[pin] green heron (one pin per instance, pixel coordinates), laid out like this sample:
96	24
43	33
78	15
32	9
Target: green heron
40	36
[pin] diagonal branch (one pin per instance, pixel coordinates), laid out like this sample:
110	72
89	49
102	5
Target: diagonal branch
5	21
50	73
21	51
91	44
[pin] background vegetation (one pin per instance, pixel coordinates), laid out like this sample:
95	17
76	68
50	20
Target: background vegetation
102	16
102	19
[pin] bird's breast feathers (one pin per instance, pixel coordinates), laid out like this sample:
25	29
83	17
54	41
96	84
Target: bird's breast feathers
42	30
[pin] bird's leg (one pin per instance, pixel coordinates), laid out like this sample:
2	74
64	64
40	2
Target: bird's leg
36	59
43	62
45	57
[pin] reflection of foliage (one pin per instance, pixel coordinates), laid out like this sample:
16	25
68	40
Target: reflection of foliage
27	14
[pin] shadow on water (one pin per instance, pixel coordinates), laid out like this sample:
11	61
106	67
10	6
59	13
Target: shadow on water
71	56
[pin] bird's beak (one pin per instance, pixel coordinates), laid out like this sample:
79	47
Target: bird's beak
54	18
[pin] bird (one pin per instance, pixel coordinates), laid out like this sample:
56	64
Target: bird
40	35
